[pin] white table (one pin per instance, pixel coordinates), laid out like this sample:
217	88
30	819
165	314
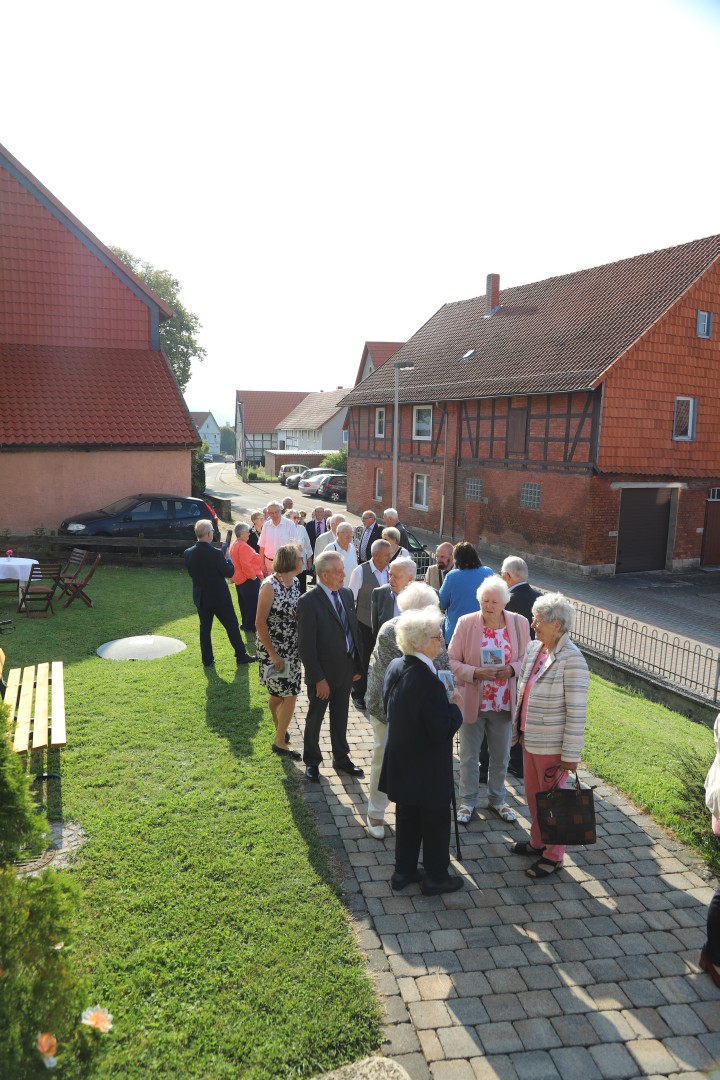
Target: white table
13	569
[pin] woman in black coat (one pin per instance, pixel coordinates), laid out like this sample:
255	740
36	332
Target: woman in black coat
417	768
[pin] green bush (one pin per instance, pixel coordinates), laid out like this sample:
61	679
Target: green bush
336	460
197	474
39	988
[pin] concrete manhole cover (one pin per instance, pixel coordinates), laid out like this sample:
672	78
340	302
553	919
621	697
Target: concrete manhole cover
143	647
65	837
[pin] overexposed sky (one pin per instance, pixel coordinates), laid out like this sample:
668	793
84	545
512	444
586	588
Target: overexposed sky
318	174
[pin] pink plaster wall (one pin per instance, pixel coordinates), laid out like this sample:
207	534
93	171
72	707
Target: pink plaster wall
43	487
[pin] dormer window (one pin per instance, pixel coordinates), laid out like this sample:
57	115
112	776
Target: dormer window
703	324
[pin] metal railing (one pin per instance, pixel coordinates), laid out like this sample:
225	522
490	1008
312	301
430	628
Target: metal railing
675	661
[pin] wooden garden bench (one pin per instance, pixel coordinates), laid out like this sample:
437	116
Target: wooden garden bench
36	696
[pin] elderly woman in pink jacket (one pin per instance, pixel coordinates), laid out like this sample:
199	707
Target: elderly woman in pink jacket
486	653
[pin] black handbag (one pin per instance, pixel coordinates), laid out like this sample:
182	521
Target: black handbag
566	815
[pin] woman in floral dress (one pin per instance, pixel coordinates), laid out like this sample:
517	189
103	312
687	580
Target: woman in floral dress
277	642
486	653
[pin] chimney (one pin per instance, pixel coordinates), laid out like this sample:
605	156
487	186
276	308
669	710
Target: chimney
492	295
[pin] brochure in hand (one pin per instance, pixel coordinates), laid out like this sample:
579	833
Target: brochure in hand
446	678
492	657
271	672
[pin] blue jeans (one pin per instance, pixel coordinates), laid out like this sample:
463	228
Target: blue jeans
498	728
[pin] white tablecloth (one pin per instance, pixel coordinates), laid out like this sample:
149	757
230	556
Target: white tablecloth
15	569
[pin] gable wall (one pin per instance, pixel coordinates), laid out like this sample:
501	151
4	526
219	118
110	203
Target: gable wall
53	289
640	391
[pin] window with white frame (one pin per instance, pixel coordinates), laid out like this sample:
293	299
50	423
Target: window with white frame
422	422
380	423
378	484
714	495
530	496
421	482
473	489
684	419
703	324
345	436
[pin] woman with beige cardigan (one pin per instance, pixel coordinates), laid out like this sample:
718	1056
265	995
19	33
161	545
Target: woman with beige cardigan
486	653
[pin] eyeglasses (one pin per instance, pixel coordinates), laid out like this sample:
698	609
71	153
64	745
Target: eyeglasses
437	637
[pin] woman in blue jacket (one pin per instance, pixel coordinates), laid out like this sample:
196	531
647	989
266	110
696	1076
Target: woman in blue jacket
458	594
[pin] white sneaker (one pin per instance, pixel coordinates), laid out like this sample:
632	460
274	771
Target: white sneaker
376	831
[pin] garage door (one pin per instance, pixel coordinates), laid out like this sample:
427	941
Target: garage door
643	529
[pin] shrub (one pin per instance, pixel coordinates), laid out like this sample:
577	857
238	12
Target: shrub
39	988
197	474
336	460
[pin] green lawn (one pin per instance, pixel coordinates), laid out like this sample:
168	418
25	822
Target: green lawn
656	756
211	925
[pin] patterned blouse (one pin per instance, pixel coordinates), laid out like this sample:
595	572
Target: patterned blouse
496	692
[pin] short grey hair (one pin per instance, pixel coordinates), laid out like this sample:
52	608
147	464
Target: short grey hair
391	512
407	564
392	533
378	545
241	528
516	566
417	596
334	518
322	563
414	629
276	505
203	527
495	584
345	526
554	607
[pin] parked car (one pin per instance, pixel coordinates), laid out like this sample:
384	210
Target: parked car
419	553
311	485
208	458
289	470
294	480
333	488
157	517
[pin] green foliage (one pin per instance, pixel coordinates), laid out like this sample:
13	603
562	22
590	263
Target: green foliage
227	439
209	913
178	336
39	988
22	828
197	473
336	460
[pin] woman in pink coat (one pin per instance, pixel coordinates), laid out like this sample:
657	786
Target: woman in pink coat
486	653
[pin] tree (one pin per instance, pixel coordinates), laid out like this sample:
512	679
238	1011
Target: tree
336	459
227	439
177	335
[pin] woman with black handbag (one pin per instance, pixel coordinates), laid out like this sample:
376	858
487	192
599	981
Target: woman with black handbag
549	717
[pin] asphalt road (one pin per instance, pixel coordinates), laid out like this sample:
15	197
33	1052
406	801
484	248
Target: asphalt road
223	481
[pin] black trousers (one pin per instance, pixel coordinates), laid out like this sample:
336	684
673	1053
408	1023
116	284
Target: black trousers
302	581
225	614
712	945
426	825
247	594
338	703
366	638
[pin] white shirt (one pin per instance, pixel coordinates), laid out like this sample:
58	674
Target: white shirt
349	558
323	540
273	537
355	582
304	541
426	660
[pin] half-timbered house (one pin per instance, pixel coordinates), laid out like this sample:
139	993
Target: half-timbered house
576	418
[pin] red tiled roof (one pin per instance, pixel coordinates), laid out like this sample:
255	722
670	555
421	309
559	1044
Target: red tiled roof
20	181
62	396
313	411
264	409
199	418
379	352
569	332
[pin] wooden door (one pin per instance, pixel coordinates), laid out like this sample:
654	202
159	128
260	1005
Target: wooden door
643	529
711	536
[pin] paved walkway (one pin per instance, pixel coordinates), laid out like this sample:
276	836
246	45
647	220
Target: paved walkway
591	974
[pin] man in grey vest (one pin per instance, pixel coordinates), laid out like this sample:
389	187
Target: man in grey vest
364	579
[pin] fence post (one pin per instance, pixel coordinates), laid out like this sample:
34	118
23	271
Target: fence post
717	678
617	620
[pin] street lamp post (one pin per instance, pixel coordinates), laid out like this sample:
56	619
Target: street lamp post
399	365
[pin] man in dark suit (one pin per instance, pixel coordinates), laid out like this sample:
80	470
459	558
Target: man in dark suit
522	597
366	535
331	652
316	525
392	519
209	569
383	601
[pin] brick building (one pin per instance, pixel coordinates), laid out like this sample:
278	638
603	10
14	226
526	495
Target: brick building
89	408
576	418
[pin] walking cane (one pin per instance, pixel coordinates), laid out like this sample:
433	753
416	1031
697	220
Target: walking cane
457	831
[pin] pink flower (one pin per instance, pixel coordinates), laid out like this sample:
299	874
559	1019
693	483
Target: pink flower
9	553
97	1018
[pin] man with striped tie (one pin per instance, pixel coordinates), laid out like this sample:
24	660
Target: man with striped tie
331	653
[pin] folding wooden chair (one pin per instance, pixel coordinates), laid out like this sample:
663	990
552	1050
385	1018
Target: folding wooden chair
77	588
39	590
71	571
